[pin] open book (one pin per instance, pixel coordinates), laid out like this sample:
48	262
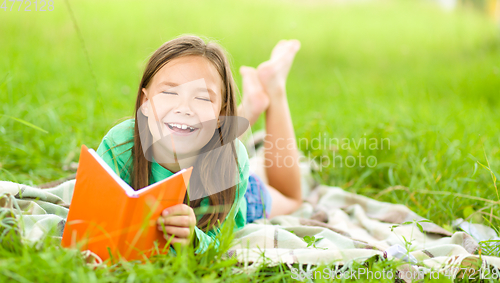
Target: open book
109	218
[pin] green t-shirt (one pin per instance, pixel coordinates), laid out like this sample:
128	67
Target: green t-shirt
116	150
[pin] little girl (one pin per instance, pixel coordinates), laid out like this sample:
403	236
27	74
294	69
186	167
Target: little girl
186	99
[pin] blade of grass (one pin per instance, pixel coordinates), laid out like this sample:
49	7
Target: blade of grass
493	177
25	123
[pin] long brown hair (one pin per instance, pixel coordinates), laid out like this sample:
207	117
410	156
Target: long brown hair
204	176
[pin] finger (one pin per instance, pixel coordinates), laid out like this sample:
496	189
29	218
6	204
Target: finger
179	221
178	209
178	232
174	240
160	221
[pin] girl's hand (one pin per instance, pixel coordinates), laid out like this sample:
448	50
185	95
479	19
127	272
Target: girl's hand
179	221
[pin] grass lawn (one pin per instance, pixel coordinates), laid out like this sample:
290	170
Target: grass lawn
399	97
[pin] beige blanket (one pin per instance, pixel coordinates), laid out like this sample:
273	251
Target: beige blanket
348	227
332	227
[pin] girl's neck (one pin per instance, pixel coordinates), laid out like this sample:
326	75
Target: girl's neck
174	165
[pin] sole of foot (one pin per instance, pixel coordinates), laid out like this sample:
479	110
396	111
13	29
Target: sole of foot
274	72
255	99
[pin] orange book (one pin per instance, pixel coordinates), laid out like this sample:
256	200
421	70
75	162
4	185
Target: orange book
109	218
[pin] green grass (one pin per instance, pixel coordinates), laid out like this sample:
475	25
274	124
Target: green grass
426	80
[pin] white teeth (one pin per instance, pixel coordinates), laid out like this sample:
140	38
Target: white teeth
179	126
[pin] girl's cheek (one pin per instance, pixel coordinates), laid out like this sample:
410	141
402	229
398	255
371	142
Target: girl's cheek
205	112
161	105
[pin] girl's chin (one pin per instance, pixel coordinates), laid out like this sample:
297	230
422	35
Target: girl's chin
167	153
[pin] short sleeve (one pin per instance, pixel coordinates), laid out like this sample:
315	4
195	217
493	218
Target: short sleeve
116	148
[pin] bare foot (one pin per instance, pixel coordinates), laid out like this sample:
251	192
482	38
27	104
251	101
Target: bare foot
273	73
255	100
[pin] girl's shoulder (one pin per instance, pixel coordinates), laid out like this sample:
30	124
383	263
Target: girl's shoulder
119	139
116	148
121	133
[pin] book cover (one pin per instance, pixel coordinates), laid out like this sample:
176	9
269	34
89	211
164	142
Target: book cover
109	218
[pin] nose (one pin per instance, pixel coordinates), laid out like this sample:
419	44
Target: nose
183	108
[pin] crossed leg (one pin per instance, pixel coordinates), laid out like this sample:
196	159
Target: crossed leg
264	90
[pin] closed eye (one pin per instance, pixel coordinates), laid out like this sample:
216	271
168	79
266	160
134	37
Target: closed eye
204	99
168	92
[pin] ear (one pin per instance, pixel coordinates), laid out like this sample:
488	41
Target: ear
144	103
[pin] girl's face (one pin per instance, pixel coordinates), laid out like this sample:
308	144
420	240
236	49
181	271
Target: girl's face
183	103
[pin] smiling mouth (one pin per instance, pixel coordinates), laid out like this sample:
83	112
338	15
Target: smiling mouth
180	128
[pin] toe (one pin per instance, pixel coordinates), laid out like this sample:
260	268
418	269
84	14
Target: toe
244	70
248	71
295	44
278	48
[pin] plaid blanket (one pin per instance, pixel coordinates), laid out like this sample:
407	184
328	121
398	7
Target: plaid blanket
338	227
36	210
332	226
